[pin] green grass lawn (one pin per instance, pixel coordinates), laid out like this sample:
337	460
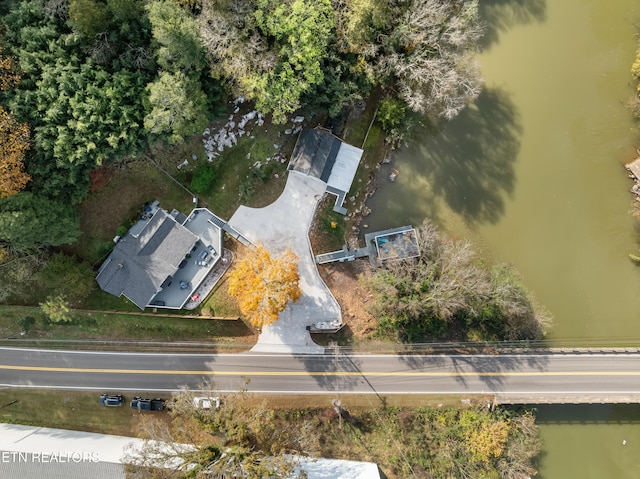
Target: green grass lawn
76	410
329	228
118	203
239	182
220	303
125	327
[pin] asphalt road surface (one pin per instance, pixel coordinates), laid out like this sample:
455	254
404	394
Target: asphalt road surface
536	375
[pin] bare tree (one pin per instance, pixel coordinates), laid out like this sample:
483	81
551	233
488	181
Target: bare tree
430	54
234	42
18	273
236	440
447	284
523	446
56	8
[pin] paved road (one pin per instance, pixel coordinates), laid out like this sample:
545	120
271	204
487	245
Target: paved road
530	375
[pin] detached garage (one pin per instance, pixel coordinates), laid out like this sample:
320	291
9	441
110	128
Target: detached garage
320	154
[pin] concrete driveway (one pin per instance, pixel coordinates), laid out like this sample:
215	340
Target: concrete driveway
285	224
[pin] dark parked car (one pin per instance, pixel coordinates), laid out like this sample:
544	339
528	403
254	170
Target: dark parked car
111	400
144	404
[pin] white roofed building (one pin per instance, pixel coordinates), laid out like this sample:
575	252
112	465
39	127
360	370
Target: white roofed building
320	154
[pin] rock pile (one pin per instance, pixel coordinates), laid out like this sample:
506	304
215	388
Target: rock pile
235	128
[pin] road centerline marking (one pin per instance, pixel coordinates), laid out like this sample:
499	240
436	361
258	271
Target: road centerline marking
322	373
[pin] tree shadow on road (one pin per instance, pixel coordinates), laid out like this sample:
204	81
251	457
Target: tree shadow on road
340	373
488	369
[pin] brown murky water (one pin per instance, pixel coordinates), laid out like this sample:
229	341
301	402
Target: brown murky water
533	174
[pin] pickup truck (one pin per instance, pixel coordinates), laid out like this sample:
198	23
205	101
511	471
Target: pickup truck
144	404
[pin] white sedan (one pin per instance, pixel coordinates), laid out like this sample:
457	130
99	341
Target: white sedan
206	402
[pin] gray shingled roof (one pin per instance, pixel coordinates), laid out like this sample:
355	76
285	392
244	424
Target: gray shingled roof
320	154
137	267
315	153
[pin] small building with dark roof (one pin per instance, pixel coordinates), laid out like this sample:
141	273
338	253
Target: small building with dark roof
151	265
320	154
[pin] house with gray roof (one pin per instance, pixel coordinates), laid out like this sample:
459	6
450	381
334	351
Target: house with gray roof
163	258
320	154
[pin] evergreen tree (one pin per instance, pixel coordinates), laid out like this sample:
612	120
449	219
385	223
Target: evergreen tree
29	221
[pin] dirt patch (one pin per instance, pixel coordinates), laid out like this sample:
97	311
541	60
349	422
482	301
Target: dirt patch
99	177
342	280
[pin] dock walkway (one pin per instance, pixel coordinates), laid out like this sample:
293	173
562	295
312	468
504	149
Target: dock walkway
345	254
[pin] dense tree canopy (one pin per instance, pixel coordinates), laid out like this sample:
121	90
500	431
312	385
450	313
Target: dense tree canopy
177	107
89	16
277	52
88	117
176	31
446	293
28	221
272	50
80	114
101	79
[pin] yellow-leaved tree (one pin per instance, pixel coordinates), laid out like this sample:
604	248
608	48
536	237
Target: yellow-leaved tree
14	137
263	284
488	440
9	75
14	142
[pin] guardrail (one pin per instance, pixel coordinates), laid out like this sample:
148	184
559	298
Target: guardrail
577	346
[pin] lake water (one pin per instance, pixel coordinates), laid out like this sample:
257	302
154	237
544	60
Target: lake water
532	173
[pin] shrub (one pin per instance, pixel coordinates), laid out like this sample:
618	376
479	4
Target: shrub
64	275
203	179
27	323
395	120
56	309
391	114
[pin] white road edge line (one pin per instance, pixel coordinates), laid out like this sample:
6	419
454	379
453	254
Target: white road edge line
324	392
319	356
